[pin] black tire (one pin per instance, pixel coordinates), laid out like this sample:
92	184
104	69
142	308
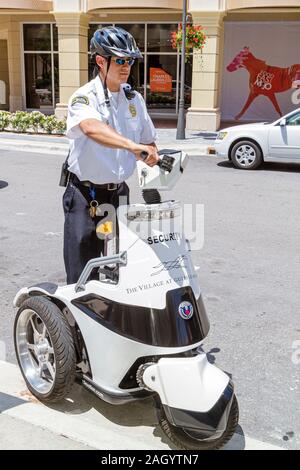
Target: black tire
183	441
246	155
48	318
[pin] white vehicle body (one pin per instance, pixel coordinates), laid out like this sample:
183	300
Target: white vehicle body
278	141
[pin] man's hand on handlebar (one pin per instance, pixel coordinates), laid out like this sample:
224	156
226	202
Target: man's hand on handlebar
152	157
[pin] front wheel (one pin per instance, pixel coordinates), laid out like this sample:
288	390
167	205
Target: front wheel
45	349
246	155
185	439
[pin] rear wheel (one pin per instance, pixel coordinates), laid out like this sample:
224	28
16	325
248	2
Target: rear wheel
246	155
44	348
188	440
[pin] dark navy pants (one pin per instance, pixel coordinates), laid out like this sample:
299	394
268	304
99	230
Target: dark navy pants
80	240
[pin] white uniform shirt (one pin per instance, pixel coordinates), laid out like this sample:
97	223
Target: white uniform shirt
93	162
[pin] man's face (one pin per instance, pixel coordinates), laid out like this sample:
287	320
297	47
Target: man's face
118	72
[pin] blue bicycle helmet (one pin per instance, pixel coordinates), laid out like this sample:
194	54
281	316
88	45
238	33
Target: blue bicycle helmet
114	41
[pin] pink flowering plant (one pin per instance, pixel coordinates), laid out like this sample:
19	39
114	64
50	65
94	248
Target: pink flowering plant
195	38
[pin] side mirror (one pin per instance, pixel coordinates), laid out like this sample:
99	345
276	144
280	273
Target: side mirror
282	122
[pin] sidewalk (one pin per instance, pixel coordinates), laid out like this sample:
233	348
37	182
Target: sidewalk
82	422
196	143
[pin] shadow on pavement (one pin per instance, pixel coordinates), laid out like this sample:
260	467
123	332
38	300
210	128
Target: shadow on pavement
3	184
285	167
226	164
139	413
9	401
267	166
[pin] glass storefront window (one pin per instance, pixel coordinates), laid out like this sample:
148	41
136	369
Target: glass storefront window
38	78
137	31
41	68
137	76
187	83
159	37
37	37
161	82
55	37
91	69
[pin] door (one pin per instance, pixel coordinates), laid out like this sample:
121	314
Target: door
284	141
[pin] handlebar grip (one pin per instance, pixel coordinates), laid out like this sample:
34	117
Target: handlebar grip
144	155
165	163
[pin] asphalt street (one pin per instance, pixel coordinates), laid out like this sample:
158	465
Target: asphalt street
249	271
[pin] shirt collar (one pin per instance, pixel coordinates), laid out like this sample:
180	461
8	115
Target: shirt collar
100	91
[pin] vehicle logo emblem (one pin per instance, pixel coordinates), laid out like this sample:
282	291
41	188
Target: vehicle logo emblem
186	310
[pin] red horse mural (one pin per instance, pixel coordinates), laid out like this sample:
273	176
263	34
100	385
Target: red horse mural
264	79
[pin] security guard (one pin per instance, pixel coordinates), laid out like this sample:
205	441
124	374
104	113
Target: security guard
108	127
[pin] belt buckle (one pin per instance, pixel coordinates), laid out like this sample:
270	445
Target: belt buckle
112	186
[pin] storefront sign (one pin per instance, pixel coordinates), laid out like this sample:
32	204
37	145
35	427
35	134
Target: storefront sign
160	81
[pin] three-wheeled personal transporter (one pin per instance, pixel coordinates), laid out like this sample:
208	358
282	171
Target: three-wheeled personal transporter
135	331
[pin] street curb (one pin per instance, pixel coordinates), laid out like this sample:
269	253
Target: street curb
85	419
62	149
31	148
39	143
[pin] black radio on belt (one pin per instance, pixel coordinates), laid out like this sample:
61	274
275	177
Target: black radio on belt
64	174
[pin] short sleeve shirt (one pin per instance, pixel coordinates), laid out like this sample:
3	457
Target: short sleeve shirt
90	161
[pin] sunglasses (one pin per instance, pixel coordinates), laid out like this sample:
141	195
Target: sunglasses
128	61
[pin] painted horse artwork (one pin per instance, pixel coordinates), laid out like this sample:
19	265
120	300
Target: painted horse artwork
264	79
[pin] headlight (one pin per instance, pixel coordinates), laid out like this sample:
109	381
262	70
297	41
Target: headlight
222	135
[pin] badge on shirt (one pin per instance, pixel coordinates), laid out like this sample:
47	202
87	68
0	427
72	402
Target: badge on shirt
132	110
80	99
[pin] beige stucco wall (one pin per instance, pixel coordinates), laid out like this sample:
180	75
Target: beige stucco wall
73	56
200	5
137	16
38	5
100	4
10	31
236	4
204	113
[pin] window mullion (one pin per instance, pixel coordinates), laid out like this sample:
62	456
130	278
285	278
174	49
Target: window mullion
52	65
145	63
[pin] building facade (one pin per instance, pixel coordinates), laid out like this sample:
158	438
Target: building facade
44	54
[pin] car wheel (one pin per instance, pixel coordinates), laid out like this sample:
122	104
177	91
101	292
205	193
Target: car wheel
246	155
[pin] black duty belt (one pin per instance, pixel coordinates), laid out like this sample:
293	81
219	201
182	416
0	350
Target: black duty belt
88	184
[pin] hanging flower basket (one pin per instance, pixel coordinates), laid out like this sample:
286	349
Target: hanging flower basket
195	38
